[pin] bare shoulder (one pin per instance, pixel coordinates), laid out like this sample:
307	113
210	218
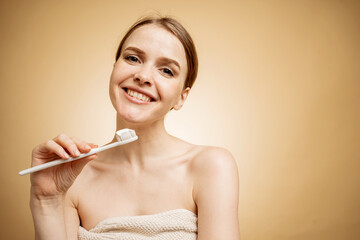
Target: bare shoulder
216	193
214	170
213	160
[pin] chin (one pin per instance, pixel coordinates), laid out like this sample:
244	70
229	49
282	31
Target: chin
139	118
133	118
137	115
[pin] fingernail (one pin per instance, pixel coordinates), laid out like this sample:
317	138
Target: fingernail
66	155
76	151
87	147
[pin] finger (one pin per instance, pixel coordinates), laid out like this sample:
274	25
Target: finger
68	144
93	145
52	147
83	146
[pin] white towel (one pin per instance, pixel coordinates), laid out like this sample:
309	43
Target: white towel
178	224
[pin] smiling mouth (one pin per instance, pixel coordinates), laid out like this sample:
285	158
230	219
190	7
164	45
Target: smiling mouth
138	95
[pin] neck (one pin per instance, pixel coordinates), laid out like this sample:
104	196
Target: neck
152	141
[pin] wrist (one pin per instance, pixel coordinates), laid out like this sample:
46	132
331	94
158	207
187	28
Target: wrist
48	216
46	202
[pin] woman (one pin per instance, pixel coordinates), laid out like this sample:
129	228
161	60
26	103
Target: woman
158	187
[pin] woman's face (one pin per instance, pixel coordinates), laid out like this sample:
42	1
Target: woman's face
148	78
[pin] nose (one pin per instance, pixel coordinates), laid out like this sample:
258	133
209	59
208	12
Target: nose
143	77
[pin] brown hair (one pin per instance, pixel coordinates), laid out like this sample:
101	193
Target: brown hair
174	27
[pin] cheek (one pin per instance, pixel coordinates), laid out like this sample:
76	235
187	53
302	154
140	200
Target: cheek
120	73
170	91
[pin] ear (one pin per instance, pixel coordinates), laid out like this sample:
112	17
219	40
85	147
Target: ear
182	99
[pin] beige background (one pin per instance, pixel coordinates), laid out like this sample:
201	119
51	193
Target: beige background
278	86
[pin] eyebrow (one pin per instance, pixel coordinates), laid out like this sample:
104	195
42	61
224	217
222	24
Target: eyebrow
141	52
135	49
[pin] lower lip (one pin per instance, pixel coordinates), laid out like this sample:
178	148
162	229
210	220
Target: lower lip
135	100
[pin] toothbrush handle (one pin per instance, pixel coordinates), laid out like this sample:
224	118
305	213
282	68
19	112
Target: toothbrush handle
61	161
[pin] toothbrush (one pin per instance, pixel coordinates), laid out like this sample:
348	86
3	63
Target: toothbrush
123	136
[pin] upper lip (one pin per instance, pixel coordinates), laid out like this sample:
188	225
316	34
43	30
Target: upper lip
141	91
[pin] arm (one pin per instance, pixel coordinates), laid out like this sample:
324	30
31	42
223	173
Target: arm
216	191
49	187
48	213
55	218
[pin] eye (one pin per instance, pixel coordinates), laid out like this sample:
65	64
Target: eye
168	72
132	58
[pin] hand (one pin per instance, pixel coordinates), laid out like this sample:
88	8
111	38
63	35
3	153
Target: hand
55	181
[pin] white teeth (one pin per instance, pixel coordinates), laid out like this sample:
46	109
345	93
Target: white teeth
138	95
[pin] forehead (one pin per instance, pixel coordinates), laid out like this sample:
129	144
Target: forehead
157	41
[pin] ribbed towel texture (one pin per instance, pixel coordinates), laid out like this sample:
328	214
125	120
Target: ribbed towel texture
178	224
